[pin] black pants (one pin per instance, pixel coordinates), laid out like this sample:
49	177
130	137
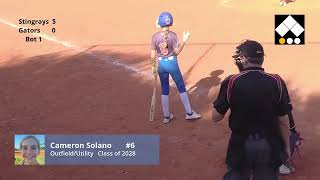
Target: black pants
258	162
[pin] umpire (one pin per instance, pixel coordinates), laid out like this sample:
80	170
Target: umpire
259	104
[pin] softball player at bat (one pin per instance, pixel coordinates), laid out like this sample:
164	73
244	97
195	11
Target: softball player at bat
165	46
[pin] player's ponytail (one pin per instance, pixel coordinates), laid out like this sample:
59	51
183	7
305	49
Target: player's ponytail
166	36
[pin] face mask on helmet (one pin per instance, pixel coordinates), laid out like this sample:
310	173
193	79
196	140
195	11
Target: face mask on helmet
237	58
252	50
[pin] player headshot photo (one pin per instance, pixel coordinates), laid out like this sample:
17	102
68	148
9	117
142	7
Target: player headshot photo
29	150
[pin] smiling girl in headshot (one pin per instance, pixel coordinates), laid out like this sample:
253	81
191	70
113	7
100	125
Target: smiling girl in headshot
30	149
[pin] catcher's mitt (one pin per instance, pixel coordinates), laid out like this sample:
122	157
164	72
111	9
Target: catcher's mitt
295	142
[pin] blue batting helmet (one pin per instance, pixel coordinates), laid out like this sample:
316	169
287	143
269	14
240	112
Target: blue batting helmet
165	19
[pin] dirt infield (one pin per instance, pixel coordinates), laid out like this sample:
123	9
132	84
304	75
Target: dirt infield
101	83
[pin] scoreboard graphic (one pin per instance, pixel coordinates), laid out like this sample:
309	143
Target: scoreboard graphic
289	29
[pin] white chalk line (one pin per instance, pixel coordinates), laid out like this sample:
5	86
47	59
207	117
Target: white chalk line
68	44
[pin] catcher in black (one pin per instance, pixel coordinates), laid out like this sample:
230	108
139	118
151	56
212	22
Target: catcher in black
259	105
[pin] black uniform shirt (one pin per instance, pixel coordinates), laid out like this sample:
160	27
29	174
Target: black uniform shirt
255	99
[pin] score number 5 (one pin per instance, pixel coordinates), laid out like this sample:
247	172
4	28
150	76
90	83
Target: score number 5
53	30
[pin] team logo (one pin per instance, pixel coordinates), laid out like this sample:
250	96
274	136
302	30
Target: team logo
289	29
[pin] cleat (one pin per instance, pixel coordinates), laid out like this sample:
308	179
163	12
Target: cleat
167	119
193	116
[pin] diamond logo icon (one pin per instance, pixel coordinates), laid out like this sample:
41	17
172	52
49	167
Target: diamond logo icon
289	29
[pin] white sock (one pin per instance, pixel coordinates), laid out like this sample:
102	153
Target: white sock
186	103
165	105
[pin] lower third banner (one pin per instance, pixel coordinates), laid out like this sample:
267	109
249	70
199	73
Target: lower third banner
102	149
